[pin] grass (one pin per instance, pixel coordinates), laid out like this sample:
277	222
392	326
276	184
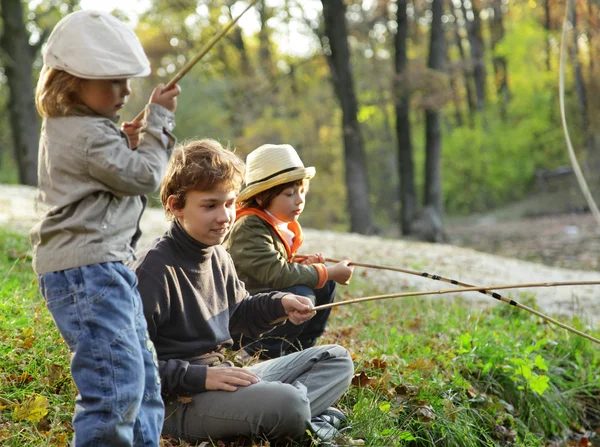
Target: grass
429	372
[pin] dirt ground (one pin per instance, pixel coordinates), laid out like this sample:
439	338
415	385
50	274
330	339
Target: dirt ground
566	240
482	252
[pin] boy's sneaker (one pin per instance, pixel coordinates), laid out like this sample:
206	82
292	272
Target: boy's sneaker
334	417
327	426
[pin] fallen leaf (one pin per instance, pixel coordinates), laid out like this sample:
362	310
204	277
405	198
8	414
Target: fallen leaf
361	379
426	413
33	409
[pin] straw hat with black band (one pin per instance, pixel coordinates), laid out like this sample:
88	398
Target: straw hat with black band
271	165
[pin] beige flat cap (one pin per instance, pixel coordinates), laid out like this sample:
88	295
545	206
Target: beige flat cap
95	45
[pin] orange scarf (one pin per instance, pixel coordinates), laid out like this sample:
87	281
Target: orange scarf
293	226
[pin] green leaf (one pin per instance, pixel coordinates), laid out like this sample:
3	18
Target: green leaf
540	363
385	407
406	436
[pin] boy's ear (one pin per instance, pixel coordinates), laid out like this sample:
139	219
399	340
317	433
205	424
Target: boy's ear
172	204
259	201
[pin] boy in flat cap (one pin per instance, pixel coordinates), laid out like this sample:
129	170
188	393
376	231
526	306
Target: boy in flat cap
91	186
265	239
193	299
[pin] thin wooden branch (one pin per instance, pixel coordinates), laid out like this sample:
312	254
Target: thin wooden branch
473	289
205	49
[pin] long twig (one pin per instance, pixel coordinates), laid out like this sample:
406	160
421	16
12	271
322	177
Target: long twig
485	290
205	49
472	289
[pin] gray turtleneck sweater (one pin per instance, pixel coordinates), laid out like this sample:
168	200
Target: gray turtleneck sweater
192	300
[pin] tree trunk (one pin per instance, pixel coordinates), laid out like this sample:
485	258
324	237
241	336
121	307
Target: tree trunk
19	73
578	75
406	169
238	41
547	28
477	52
264	44
341	74
500	65
433	133
466	68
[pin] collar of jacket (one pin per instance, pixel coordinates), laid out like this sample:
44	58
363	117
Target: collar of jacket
293	226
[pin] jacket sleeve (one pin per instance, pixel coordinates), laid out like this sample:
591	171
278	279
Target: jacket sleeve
127	172
177	376
255	255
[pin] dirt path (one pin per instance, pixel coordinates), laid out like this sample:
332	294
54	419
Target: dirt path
463	264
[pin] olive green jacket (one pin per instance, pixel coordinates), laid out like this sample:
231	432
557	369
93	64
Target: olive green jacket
263	260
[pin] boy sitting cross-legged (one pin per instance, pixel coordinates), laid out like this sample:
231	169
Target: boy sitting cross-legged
193	298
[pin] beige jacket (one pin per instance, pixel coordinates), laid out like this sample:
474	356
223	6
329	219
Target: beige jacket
91	186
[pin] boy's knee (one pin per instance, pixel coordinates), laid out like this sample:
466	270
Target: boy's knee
344	362
290	408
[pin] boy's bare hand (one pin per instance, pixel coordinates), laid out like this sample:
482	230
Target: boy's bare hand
229	379
317	258
132	129
165	97
298	308
340	272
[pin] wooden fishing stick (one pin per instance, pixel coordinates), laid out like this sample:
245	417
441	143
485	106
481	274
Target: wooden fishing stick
205	49
484	290
472	289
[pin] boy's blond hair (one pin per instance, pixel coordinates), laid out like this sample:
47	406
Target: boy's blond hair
57	93
202	165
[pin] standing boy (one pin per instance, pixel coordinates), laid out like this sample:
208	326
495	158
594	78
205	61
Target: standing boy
193	299
91	186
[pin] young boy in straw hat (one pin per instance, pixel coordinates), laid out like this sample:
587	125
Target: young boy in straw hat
265	238
91	184
193	298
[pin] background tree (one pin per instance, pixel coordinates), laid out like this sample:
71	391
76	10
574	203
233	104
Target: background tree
434	206
338	58
402	96
18	60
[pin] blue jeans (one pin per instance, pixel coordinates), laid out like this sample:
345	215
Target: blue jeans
289	337
98	311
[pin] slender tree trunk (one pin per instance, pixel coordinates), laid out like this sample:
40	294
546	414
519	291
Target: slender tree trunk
547	28
500	65
579	82
238	41
341	73
264	44
458	119
406	170
477	52
467	68
19	73
433	134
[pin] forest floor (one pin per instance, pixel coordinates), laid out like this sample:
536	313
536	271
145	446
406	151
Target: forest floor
508	246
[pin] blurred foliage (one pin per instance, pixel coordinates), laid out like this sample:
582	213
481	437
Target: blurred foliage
269	83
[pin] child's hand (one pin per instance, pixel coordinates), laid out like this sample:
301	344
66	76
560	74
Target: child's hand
132	129
298	308
317	258
164	97
340	272
229	379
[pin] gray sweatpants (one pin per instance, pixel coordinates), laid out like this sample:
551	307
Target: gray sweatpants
292	389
